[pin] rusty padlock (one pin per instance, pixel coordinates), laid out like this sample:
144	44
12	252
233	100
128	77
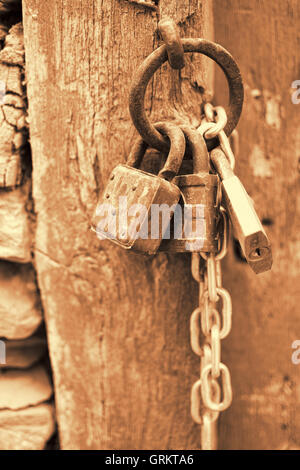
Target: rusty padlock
133	195
246	224
195	227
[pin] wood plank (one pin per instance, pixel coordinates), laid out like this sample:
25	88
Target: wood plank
118	323
263	37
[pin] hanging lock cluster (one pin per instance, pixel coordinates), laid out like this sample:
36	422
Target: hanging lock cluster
197	204
132	192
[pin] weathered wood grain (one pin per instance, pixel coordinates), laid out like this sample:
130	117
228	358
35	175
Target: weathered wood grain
118	323
264	38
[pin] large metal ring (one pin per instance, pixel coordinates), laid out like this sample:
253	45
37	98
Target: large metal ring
146	70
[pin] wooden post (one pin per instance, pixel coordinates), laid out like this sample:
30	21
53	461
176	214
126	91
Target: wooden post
118	323
264	38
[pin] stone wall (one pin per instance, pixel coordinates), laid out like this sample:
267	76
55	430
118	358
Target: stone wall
27	419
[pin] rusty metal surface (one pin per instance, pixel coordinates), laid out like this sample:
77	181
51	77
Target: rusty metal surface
146	70
208	326
176	150
169	32
129	188
219	118
137	153
199	188
247	226
221	163
197	147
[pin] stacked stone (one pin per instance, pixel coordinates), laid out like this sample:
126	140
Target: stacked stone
26	405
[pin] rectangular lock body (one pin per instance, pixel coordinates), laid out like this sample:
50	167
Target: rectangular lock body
128	199
199	215
247	226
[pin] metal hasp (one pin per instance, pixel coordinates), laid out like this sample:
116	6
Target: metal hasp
247	226
169	32
146	70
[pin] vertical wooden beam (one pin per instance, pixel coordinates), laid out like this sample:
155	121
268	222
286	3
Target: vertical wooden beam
118	323
264	38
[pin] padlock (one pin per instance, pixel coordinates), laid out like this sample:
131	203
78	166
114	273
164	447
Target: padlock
246	224
132	195
195	227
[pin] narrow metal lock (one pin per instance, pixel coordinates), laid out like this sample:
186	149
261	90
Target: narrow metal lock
246	224
195	229
132	196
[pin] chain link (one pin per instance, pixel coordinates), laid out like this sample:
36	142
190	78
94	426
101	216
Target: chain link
213	126
209	325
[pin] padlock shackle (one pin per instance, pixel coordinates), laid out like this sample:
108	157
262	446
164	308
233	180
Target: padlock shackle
198	148
175	156
137	153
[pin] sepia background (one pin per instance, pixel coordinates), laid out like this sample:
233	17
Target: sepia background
97	339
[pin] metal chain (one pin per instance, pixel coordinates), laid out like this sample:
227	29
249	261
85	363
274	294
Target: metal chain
213	126
212	392
213	326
